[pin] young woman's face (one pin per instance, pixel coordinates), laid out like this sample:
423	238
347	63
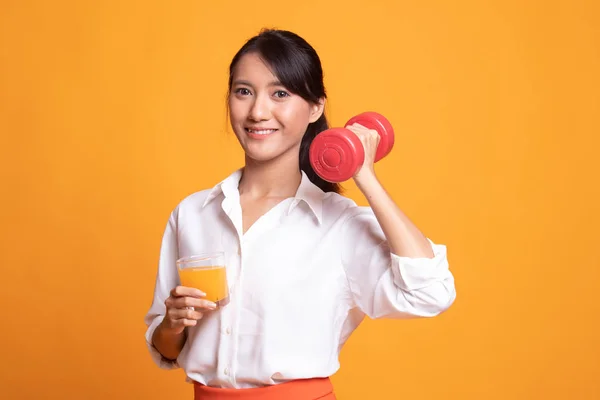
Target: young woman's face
268	120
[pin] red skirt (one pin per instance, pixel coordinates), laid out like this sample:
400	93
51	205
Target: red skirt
301	389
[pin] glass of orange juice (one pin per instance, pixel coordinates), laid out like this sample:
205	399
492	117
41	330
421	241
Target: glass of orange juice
207	273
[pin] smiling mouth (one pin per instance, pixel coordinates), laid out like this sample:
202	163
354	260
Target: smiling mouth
260	131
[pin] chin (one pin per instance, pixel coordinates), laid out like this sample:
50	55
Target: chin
260	152
261	156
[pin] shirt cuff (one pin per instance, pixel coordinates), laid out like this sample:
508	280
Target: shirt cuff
158	358
414	273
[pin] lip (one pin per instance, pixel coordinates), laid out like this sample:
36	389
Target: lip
259	136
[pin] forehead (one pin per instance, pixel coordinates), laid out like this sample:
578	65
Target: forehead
252	68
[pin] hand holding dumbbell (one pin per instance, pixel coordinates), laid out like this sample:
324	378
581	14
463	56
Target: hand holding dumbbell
336	154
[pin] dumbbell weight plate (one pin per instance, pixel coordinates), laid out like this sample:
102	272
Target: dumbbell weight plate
373	120
336	154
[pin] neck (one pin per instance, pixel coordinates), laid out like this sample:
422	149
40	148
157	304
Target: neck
276	178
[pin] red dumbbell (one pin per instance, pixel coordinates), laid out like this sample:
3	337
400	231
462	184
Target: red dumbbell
336	154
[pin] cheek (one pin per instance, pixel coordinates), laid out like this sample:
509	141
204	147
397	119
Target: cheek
236	110
295	116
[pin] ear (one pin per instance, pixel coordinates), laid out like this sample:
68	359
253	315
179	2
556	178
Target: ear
316	110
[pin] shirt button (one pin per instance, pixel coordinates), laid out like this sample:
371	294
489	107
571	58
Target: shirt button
226	371
228	331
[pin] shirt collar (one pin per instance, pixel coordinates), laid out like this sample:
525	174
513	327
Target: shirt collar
307	192
310	194
228	186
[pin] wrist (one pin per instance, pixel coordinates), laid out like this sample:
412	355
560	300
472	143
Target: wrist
164	332
366	181
168	341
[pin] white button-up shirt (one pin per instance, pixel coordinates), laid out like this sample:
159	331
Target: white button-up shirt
301	280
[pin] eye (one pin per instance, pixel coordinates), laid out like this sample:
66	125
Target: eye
281	94
242	91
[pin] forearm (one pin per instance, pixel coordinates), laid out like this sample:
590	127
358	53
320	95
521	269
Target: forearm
403	237
167	343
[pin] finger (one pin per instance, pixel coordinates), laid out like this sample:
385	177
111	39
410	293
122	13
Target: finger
183	302
180	291
176	314
358	126
189	322
364	133
358	132
375	135
181	323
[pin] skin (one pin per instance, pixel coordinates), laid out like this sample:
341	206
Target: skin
271	175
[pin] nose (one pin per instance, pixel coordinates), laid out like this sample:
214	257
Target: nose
260	110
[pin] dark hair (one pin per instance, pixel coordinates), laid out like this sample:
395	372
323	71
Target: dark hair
298	67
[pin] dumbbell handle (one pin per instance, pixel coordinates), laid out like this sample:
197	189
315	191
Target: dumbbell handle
376	121
336	154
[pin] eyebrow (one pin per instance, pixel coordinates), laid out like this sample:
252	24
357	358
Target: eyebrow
247	83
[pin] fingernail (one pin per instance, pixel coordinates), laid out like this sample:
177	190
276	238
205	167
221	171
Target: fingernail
201	293
212	306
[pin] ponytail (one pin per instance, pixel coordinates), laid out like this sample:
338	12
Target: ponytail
311	132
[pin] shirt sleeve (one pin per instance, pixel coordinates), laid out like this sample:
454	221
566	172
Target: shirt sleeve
166	279
385	285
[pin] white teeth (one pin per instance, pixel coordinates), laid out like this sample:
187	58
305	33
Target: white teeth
262	131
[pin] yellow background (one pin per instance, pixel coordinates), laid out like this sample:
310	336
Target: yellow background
113	111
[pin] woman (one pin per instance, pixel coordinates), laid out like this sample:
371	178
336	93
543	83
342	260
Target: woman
305	265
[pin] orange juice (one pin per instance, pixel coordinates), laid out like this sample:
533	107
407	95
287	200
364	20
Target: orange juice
211	280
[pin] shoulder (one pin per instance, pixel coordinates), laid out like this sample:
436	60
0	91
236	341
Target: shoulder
196	201
339	208
192	203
